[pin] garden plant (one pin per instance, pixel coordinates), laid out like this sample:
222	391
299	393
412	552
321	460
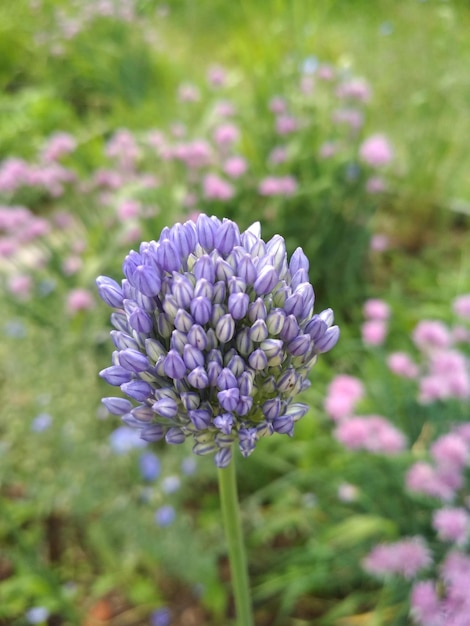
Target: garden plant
220	174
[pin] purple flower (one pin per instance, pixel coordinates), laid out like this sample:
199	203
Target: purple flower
165	515
161	617
215	335
149	465
41	422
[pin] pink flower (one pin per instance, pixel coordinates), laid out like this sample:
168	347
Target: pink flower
58	145
195	154
79	300
425	604
128	209
379	243
461	306
351	117
326	72
347	492
375	184
374	332
452	524
328	149
343	394
372	433
224	109
277	186
376	151
355	89
401	364
278	105
216	188
406	558
20	285
72	265
235	166
375	309
423	478
216	76
286	124
226	134
450	451
430	334
278	155
188	93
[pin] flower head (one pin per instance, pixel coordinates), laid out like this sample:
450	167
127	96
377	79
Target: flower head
215	334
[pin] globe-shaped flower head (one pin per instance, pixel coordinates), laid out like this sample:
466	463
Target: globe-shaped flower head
215	335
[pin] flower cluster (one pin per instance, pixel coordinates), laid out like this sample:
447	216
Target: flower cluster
215	335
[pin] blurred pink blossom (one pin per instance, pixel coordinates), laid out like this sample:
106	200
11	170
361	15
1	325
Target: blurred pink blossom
188	93
355	89
277	186
375	184
452	524
401	364
347	492
278	155
406	557
128	209
286	124
79	300
425	604
461	306
429	334
328	149
351	117
278	105
375	309
235	166
217	76
216	188
58	145
374	332
372	433
450	451
226	134
20	285
425	479
376	151
344	392
379	242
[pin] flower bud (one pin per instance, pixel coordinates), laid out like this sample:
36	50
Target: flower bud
117	406
225	328
238	305
174	365
166	407
266	281
110	291
201	310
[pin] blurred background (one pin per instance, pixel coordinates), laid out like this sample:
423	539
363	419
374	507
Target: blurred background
341	125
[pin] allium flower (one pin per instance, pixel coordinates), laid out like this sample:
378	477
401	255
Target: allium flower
375	309
425	604
344	392
372	433
215	335
405	558
376	151
374	332
452	524
401	364
461	306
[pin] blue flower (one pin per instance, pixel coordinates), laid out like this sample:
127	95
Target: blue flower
215	335
149	465
165	515
161	617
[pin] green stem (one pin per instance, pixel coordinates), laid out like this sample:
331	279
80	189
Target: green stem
236	547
